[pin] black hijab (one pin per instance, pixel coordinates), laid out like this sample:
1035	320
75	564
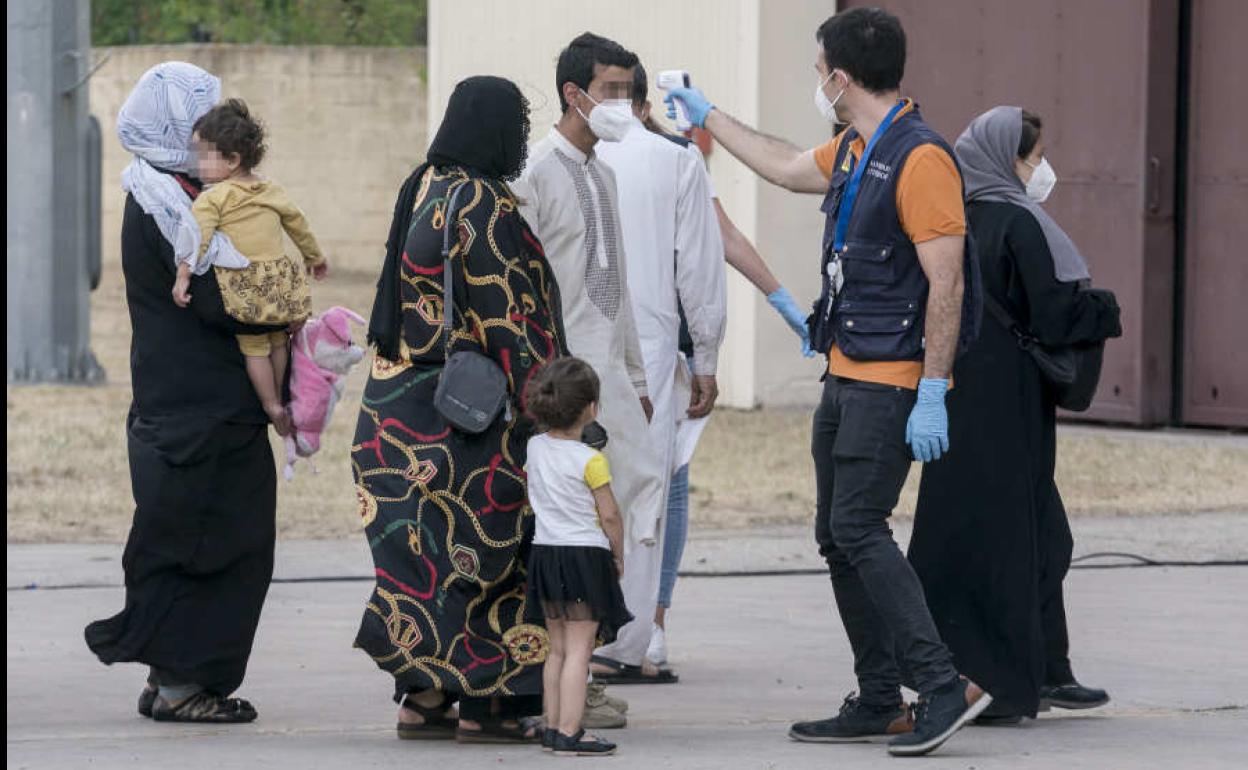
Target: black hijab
485	131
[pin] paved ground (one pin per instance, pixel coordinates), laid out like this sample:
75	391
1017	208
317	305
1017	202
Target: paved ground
754	653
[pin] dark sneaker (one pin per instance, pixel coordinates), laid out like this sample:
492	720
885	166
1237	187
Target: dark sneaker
578	746
1072	696
857	722
938	716
548	738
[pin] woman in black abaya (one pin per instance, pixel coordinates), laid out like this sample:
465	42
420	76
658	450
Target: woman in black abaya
199	556
991	541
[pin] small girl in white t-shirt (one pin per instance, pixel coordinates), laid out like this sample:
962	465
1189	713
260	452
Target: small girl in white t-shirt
578	547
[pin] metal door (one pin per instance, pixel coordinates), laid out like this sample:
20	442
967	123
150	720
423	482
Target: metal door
1102	75
1215	318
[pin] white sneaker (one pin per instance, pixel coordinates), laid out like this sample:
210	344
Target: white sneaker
656	653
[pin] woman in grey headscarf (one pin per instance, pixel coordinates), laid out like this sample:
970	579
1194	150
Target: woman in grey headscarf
991	540
200	552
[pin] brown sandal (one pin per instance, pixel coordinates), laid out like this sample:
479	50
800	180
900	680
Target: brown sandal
494	731
204	707
436	725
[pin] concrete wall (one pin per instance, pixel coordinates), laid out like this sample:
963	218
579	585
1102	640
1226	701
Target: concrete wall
345	127
754	59
790	225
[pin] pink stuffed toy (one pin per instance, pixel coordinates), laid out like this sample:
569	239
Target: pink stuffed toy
321	355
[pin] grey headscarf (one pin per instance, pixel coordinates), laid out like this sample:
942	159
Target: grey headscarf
986	150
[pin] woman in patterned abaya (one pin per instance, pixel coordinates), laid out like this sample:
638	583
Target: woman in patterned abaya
444	511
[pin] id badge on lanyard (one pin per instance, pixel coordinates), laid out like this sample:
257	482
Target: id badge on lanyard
846	208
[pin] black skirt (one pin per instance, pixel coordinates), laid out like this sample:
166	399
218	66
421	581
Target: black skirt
576	582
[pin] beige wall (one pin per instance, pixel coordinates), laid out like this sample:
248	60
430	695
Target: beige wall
346	126
790	225
753	58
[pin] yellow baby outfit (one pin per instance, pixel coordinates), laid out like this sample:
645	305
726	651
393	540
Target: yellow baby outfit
273	289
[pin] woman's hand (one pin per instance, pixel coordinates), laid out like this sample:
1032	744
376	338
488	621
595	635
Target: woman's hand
181	285
319	271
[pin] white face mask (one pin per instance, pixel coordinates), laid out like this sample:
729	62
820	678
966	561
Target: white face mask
1042	180
610	119
827	107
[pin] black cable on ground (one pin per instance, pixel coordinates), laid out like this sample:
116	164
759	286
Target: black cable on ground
1133	561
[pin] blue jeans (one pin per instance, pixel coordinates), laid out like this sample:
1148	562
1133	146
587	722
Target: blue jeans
675	531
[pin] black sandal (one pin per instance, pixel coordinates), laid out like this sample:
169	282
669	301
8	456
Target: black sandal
494	731
147	699
204	707
437	726
623	673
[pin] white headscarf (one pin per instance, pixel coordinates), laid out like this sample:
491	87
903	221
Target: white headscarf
155	124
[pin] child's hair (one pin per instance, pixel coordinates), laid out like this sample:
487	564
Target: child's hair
560	392
230	126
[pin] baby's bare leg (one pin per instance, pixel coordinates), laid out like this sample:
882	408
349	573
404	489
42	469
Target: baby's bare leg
260	370
258	354
279	355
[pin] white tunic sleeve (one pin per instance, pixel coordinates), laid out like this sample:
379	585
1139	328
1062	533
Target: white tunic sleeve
628	324
700	274
525	189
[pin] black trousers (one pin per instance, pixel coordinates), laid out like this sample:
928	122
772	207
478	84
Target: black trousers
861	462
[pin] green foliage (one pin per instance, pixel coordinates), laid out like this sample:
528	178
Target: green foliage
275	22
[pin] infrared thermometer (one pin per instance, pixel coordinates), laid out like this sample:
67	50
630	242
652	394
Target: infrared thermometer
669	79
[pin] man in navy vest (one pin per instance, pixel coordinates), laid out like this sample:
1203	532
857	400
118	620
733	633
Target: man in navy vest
892	307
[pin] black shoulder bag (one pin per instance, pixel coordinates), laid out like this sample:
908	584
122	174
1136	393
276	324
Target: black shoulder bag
472	389
1070	372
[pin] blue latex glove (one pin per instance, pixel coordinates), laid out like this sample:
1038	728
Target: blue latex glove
695	104
927	430
786	306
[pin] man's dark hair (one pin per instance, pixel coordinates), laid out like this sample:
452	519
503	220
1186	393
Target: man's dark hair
230	126
1030	135
868	44
577	61
641	85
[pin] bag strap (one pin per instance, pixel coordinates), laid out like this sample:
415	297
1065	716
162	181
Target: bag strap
448	280
1025	340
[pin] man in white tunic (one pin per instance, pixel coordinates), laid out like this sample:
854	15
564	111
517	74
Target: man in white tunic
674	251
568	195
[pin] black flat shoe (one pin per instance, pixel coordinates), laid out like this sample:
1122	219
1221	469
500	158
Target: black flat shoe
1072	696
578	746
997	720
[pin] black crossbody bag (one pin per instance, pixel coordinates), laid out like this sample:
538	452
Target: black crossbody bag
472	389
1070	372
